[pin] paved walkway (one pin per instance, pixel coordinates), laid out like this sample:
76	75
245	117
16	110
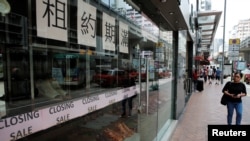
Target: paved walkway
204	108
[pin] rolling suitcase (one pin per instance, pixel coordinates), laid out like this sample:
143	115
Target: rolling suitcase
199	86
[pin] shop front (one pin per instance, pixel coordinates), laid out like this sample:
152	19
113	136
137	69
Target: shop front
67	67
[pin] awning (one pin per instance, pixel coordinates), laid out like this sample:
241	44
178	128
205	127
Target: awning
207	23
198	58
204	62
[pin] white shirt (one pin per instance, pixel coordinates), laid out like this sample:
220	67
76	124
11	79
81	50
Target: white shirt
210	71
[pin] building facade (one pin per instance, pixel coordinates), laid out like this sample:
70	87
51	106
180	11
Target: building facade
65	66
241	30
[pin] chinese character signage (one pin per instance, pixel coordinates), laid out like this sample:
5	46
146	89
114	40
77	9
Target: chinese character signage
51	19
86	24
108	32
123	37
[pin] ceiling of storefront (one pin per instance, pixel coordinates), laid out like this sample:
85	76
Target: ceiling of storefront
166	15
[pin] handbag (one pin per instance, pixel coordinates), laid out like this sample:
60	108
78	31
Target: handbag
223	100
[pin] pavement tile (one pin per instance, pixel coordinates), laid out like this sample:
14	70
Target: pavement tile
203	109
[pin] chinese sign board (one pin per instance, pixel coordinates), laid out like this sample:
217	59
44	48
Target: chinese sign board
123	37
86	24
52	23
52	19
108	31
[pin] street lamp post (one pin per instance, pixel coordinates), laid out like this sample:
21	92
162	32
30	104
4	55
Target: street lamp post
223	57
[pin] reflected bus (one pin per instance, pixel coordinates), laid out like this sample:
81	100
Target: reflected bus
73	69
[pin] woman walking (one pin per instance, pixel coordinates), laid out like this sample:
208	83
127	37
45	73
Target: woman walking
235	90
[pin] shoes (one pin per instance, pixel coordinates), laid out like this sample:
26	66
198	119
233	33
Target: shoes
124	115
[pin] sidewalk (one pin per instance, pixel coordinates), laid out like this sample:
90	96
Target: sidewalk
204	108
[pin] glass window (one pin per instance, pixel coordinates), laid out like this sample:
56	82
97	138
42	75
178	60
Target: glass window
57	68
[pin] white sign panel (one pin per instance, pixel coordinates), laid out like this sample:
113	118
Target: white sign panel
219	58
123	37
241	65
233	58
233	53
51	19
59	113
108	32
146	54
17	127
233	50
86	24
234	47
22	125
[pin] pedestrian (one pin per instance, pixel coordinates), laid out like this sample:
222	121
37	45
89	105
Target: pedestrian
128	82
235	91
210	74
195	78
217	76
205	74
214	72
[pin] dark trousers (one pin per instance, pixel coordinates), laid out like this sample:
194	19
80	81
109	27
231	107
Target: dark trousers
205	78
124	102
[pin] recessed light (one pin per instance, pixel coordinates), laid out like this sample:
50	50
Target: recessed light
171	13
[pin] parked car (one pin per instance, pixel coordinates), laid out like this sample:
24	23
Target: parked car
246	74
133	73
110	77
163	73
247	78
143	75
